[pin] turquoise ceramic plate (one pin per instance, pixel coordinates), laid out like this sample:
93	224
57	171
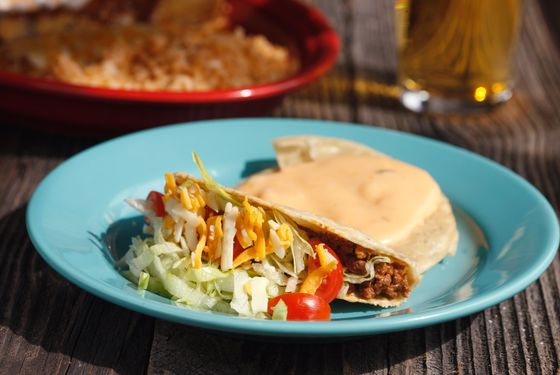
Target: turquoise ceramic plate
77	220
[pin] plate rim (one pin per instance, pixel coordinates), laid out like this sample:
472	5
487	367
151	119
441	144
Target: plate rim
339	328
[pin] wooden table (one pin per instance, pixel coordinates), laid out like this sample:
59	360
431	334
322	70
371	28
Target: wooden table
49	326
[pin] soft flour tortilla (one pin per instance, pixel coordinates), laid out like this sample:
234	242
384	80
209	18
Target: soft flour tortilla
319	224
426	245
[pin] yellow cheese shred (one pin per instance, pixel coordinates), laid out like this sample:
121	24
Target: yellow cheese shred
313	281
170	185
260	245
322	254
249	227
285	234
198	196
217	235
168	222
245	256
249	254
192	200
185	199
202	231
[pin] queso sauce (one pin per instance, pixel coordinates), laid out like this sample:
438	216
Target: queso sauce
382	197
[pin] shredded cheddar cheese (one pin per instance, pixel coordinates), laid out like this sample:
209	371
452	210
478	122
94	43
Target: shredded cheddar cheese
170	185
285	234
202	232
260	248
197	200
185	199
250	229
313	281
215	235
168	222
247	255
322	254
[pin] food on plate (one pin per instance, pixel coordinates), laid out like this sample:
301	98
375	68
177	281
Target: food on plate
164	45
398	204
215	248
303	306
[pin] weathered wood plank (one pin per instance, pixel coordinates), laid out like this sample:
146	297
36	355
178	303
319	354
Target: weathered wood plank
465	360
329	98
48	325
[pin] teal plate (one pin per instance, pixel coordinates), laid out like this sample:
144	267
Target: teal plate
78	221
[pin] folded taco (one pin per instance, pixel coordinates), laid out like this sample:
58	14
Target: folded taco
212	247
399	204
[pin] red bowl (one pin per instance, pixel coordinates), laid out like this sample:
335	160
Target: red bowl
58	106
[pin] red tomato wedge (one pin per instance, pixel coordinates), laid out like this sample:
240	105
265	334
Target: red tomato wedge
157	203
237	248
303	306
333	282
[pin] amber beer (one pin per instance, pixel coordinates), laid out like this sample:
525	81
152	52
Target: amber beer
456	54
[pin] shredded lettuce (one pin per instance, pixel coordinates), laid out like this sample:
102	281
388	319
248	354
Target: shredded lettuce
157	269
226	284
157	229
343	290
143	281
181	263
240	301
259	295
204	274
285	265
300	246
143	259
211	184
276	244
274	289
162	263
370	270
212	201
223	307
270	272
291	285
280	311
187	294
163	268
165	248
154	285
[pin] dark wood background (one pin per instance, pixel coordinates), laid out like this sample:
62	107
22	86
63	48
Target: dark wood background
49	326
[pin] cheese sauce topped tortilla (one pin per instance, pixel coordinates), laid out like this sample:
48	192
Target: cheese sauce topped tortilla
394	202
383	197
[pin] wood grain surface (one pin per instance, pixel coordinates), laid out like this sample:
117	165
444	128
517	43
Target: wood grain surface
49	326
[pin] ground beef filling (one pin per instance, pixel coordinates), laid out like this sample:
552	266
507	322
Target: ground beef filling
390	280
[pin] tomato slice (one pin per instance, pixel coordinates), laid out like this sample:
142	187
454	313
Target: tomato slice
209	212
237	248
303	306
333	282
157	203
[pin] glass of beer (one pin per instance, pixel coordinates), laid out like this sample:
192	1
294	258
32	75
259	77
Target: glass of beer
456	55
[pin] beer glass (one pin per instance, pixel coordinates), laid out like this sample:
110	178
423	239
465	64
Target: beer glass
456	55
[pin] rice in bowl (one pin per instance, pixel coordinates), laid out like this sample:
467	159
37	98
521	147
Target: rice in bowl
140	49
